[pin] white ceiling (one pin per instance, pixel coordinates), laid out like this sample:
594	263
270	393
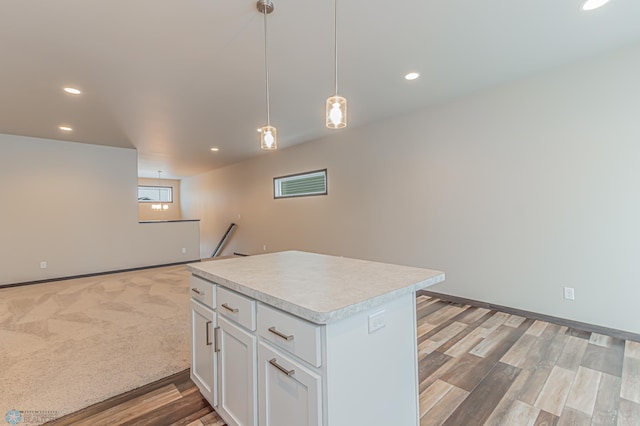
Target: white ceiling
174	78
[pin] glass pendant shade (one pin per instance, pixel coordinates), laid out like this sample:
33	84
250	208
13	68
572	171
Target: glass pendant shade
268	133
268	137
156	207
336	112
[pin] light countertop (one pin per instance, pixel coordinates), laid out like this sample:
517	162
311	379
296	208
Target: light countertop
316	287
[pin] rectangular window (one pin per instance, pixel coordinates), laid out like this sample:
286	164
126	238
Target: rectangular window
155	194
301	185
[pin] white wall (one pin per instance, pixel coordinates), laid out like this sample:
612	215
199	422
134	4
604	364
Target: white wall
514	192
75	206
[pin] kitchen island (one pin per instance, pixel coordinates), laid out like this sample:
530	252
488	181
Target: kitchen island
297	338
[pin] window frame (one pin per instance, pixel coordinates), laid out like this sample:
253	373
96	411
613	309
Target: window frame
288	177
170	188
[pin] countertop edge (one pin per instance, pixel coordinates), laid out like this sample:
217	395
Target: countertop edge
311	315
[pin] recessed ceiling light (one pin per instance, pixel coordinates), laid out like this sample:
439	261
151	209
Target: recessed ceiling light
593	4
215	149
412	76
72	90
65	128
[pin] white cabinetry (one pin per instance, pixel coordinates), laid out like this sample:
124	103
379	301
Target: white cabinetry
275	369
361	370
203	323
288	393
237	380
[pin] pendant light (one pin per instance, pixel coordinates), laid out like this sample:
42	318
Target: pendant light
336	109
159	207
268	133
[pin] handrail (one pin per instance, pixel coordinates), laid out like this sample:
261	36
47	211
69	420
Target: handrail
230	229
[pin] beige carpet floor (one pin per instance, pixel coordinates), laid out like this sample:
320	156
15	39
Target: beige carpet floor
66	345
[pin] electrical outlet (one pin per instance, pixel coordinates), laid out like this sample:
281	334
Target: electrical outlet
377	321
264	247
184	250
569	293
43	264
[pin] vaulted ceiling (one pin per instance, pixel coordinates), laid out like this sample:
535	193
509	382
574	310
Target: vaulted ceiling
174	78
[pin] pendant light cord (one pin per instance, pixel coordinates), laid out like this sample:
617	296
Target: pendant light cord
335	41
159	196
266	62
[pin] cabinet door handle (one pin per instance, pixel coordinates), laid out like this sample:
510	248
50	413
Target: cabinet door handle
216	347
196	291
274	362
208	340
234	310
281	335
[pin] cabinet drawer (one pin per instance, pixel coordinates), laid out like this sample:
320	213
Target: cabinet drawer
202	291
236	307
290	333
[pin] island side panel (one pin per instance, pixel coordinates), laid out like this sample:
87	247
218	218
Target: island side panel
372	377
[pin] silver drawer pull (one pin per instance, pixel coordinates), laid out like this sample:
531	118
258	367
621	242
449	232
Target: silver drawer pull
216	347
281	368
234	310
207	331
196	291
282	336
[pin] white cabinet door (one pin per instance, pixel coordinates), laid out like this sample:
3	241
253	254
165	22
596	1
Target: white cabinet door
289	394
237	375
203	357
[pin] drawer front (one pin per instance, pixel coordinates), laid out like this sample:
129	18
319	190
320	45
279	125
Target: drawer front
203	291
290	333
237	308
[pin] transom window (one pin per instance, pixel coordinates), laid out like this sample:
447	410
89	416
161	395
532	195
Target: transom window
301	184
155	194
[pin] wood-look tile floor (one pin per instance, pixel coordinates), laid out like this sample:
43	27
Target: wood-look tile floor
174	401
482	367
476	367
